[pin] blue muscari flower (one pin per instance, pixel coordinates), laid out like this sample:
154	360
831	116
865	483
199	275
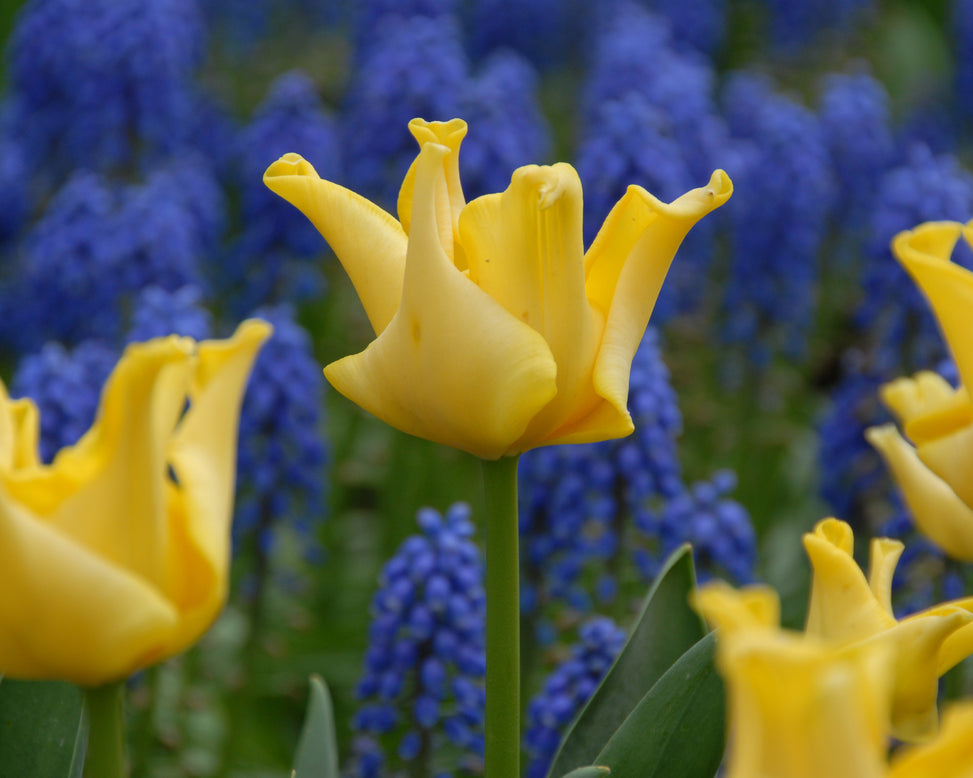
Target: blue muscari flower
636	142
67	283
567	689
698	23
66	386
421	690
854	111
100	83
15	195
157	313
290	118
411	66
782	171
576	500
719	529
924	188
962	27
506	86
282	451
678	84
794	23
368	15
547	32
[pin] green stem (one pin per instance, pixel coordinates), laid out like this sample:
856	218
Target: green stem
502	758
105	757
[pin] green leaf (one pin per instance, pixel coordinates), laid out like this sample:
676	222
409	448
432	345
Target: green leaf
43	729
665	629
679	725
317	750
594	771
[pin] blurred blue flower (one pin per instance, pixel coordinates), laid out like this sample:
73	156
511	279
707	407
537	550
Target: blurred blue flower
505	87
782	174
701	24
102	83
567	689
66	387
158	312
412	66
282	449
795	23
961	24
421	691
547	32
577	501
924	188
855	118
368	15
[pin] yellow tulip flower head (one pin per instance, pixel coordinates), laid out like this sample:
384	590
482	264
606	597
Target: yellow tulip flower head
848	609
116	555
934	471
496	331
798	707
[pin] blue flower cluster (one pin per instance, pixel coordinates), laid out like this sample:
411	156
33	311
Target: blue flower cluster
282	454
795	23
421	691
567	689
104	83
777	230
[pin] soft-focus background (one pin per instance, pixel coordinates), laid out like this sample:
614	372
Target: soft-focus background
133	138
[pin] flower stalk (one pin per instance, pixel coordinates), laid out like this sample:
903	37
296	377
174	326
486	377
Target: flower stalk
502	757
105	757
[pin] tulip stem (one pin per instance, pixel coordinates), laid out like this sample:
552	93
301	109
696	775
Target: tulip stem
502	747
105	757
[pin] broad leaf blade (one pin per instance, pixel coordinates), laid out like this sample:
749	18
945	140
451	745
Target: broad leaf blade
594	771
317	749
678	726
42	729
666	628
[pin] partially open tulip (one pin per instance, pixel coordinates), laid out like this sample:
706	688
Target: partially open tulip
797	706
847	608
934	470
116	555
496	331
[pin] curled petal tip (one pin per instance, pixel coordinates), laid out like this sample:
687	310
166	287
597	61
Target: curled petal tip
290	164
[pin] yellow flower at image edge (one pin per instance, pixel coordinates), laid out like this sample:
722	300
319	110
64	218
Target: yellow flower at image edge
116	555
934	471
496	331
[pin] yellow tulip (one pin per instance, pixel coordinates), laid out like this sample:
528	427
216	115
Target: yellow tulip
848	609
934	472
115	556
950	755
495	331
798	707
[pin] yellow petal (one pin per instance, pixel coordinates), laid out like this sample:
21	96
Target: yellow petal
951	458
625	268
19	429
525	250
843	606
107	492
65	613
949	755
925	252
368	242
453	365
938	512
882	559
203	456
731	610
448	203
799	709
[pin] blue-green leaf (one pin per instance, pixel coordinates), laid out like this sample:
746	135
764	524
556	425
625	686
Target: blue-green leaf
679	726
317	749
666	628
43	729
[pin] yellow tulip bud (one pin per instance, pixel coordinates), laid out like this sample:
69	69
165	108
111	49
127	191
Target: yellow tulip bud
496	332
116	555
